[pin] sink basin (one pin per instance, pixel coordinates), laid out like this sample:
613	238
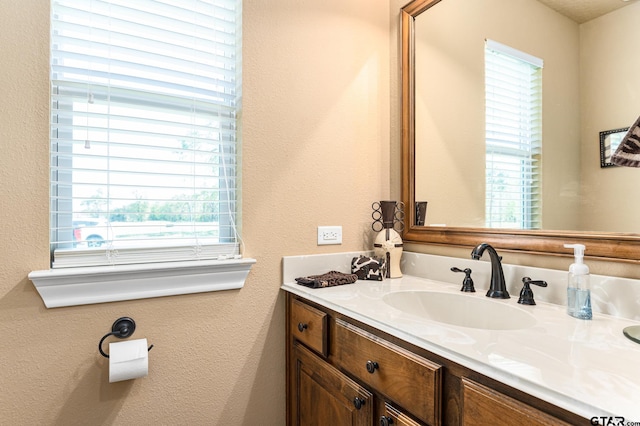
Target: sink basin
461	309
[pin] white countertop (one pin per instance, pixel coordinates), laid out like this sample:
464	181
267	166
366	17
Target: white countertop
586	367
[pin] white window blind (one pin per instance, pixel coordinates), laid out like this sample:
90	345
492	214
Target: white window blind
144	134
513	92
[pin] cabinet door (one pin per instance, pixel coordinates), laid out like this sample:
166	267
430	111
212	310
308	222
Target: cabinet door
321	395
485	406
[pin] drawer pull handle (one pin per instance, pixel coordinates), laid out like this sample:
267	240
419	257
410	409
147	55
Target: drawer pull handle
358	403
386	421
302	327
372	366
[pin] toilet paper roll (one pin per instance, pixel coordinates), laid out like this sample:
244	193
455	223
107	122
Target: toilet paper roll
128	360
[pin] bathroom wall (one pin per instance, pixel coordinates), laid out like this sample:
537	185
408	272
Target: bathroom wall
316	151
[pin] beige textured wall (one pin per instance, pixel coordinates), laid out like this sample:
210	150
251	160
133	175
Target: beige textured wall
611	99
450	102
316	130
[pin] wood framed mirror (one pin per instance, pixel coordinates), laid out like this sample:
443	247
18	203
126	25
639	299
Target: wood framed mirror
618	246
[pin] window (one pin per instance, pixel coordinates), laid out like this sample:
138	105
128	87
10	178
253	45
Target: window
145	100
144	133
513	93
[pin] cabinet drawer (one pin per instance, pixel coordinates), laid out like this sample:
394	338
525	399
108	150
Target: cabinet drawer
309	326
394	417
403	377
485	406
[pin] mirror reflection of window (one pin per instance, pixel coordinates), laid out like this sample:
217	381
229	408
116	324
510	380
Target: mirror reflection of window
614	142
513	111
611	143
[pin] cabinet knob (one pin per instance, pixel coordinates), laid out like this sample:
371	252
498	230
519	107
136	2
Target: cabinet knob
386	421
358	403
302	327
372	366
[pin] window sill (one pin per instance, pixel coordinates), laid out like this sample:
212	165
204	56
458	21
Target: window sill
100	284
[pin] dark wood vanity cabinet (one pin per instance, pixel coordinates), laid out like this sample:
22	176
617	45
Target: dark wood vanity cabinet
343	372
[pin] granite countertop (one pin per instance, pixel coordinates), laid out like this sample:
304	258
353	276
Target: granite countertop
586	367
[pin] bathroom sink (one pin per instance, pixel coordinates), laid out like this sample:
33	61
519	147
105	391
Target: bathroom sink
462	309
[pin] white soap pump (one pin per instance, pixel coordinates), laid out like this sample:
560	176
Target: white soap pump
578	289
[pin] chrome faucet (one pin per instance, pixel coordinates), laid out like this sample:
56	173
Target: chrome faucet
498	288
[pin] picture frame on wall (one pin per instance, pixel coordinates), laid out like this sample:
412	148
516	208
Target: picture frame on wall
609	141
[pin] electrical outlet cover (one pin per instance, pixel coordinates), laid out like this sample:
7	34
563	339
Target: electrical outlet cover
329	235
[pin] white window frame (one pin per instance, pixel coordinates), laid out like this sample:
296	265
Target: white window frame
124	281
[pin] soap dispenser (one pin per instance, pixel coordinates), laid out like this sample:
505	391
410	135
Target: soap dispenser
578	289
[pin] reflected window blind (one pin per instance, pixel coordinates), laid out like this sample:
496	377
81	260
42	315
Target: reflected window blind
513	102
145	97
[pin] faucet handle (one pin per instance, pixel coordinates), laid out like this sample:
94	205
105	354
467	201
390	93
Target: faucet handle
467	283
526	294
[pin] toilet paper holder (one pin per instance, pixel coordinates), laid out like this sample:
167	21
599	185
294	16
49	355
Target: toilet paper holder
122	328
